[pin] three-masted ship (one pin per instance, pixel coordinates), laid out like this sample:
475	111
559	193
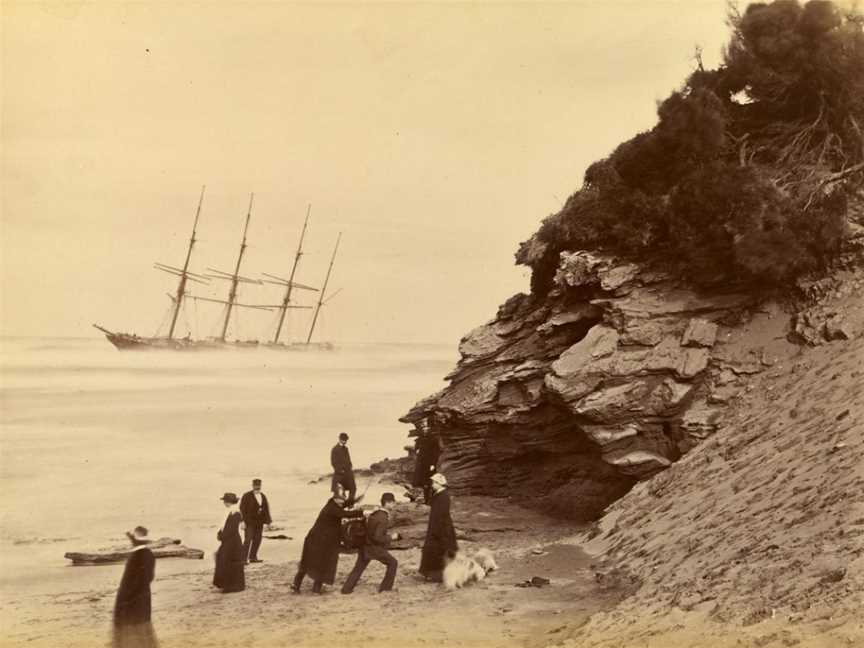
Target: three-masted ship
131	341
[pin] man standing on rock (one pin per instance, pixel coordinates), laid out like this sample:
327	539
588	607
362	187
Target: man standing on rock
375	547
440	534
343	471
256	513
428	451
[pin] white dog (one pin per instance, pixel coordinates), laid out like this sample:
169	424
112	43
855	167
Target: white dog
486	560
462	569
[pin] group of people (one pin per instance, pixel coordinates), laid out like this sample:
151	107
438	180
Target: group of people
320	556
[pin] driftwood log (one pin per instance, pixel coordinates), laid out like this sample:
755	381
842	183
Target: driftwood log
161	548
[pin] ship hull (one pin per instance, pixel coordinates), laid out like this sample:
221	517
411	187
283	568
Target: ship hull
132	342
300	346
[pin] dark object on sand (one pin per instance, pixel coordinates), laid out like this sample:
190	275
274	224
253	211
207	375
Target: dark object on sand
536	581
353	535
280	536
161	548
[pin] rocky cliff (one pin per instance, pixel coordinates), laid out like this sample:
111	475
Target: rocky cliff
756	537
569	399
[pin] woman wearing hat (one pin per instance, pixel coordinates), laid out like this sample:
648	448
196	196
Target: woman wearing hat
132	626
440	534
229	576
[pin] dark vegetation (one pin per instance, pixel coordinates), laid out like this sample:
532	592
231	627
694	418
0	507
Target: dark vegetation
747	173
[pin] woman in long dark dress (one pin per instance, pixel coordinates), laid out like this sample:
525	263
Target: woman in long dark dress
229	576
320	556
132	625
440	534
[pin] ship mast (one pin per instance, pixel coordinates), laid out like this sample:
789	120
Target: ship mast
287	300
183	273
321	299
181	287
232	294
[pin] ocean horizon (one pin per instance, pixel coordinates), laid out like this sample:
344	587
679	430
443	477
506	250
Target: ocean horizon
94	441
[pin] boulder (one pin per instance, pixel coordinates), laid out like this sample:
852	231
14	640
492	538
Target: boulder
640	463
642	332
605	435
699	333
837	328
481	342
600	342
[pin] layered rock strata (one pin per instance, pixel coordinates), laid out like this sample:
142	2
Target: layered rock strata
571	398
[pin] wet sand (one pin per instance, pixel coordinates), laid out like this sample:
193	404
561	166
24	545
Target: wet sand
187	611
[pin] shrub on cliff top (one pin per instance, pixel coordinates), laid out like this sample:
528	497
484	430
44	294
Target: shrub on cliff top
744	176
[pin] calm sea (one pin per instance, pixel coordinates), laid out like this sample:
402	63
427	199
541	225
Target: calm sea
96	441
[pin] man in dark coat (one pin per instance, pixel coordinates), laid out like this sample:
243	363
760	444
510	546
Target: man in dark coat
440	535
375	547
427	452
256	513
343	471
229	576
132	626
320	556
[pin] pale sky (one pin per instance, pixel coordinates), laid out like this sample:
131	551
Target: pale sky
435	137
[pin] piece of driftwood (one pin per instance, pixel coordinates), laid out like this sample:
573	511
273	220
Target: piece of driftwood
161	548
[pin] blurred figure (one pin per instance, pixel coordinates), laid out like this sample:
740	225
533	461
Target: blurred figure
256	513
427	452
229	576
320	556
132	626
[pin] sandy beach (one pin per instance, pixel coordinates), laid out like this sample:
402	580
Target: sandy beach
188	611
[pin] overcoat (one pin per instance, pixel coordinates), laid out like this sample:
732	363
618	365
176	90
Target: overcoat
251	512
440	535
132	627
428	451
320	556
229	574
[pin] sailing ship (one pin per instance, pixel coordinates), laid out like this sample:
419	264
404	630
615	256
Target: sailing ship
131	341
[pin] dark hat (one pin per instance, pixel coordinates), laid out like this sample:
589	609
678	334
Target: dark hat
231	498
256	481
138	536
343	436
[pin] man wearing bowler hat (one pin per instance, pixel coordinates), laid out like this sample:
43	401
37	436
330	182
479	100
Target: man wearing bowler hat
256	513
343	471
375	547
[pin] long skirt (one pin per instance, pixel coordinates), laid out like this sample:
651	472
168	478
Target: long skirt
138	635
229	575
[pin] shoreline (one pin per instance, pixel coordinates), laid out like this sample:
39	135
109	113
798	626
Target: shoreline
187	611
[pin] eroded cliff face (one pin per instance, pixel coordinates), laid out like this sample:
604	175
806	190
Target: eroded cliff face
568	400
